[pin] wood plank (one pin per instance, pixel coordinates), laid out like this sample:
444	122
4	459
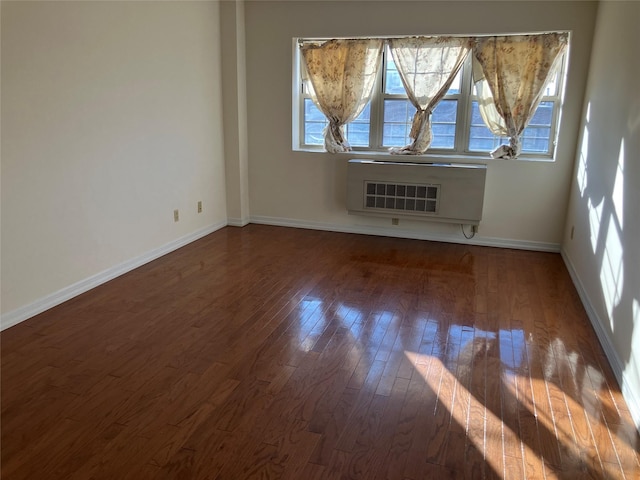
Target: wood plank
269	352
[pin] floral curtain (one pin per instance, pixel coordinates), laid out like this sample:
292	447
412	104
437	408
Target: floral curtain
510	73
341	74
427	67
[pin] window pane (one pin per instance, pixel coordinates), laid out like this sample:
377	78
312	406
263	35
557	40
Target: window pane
365	115
398	111
443	124
313	134
358	139
398	115
354	128
482	140
315	122
358	135
443	136
312	113
358	130
535	138
395	135
543	115
393	84
445	112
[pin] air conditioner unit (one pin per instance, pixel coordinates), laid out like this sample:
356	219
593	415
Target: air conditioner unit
441	192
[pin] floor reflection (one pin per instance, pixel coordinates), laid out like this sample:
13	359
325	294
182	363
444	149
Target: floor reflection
497	386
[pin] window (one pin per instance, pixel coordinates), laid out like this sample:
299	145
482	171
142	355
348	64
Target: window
457	126
539	136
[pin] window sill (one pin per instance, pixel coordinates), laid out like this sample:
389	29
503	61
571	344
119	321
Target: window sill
439	157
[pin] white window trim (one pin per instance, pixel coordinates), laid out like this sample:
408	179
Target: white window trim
460	153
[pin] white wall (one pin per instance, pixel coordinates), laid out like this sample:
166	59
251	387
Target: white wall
111	119
525	203
604	210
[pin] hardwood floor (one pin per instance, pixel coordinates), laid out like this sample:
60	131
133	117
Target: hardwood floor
267	352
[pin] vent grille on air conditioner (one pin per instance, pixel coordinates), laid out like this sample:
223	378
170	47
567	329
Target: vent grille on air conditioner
402	196
438	192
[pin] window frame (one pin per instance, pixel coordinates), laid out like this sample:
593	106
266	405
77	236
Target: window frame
465	100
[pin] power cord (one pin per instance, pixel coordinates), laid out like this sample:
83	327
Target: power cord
473	231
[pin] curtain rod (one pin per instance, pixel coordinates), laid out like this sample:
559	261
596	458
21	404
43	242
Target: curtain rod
302	40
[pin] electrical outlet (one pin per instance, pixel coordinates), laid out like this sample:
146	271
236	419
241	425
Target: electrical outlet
200	206
395	221
176	215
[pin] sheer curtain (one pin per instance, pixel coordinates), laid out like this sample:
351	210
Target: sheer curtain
510	73
427	67
341	74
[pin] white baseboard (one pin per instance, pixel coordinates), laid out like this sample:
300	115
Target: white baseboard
237	222
14	317
412	234
631	397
